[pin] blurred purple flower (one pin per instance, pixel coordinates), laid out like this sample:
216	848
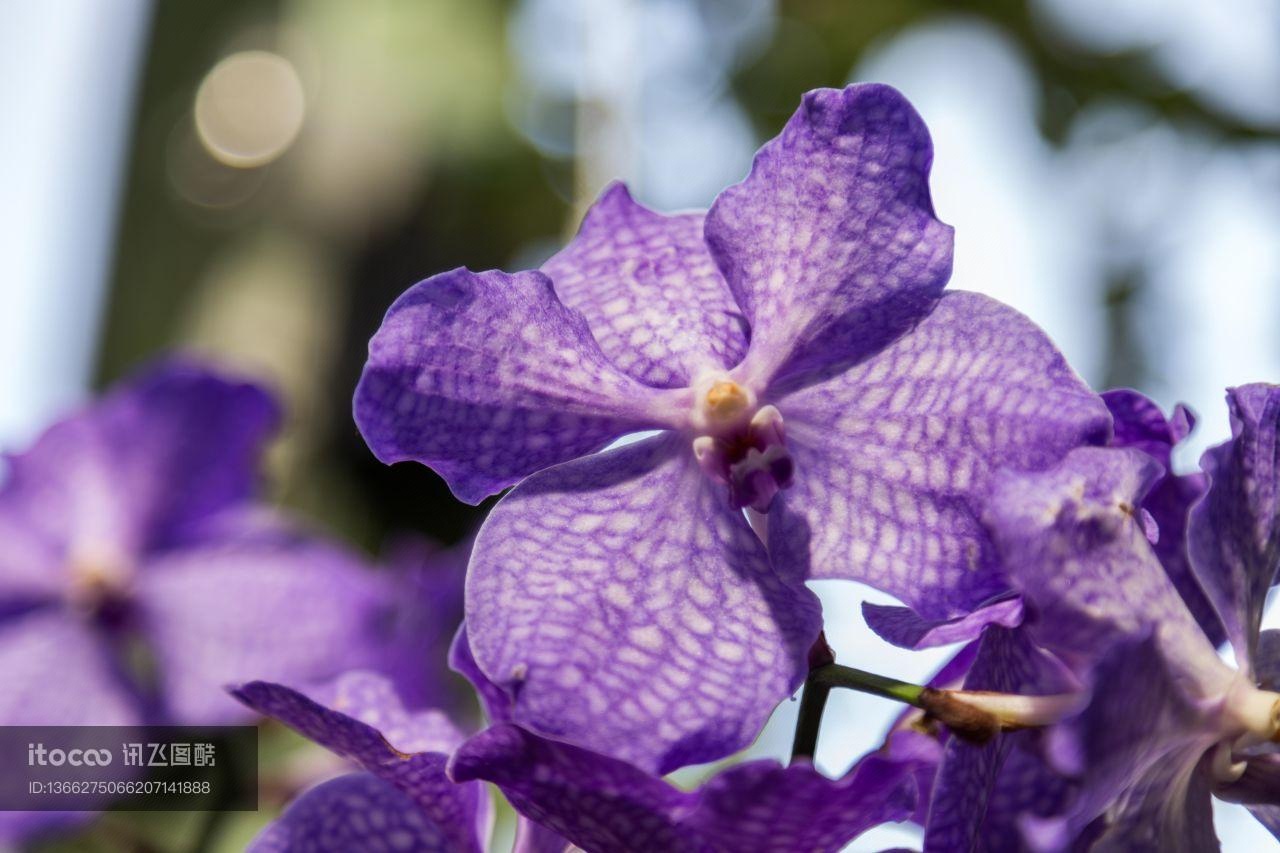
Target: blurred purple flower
796	349
427	590
137	575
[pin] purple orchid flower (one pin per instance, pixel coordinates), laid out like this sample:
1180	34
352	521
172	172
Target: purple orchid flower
603	804
130	526
565	795
1167	722
983	793
1016	790
796	349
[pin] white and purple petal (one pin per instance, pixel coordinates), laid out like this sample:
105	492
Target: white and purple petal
650	291
623	606
1234	533
894	456
830	245
57	671
130	474
487	377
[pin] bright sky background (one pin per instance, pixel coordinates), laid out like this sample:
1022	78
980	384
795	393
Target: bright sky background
67	71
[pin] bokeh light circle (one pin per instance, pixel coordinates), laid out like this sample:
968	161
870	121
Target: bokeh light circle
249	108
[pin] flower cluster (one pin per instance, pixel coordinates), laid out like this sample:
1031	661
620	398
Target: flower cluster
813	404
823	408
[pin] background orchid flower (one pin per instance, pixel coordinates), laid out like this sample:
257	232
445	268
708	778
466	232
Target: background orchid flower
132	527
794	346
138	574
1167	722
986	795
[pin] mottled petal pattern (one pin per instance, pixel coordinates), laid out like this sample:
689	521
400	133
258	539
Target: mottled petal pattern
605	805
893	457
533	837
373	700
623	606
598	803
358	811
460	812
487	377
1234	532
830	245
650	291
903	627
1073	541
763	806
1140	424
300	611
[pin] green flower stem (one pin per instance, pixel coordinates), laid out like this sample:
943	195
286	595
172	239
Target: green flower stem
962	719
812	703
837	675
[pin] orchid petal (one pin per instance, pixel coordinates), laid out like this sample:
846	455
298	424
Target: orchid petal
830	245
624	607
488	377
650	292
893	457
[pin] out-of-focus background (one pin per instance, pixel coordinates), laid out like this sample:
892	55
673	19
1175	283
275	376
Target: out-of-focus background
258	179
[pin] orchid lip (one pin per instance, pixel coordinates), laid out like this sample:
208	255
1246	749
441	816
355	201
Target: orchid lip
751	459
